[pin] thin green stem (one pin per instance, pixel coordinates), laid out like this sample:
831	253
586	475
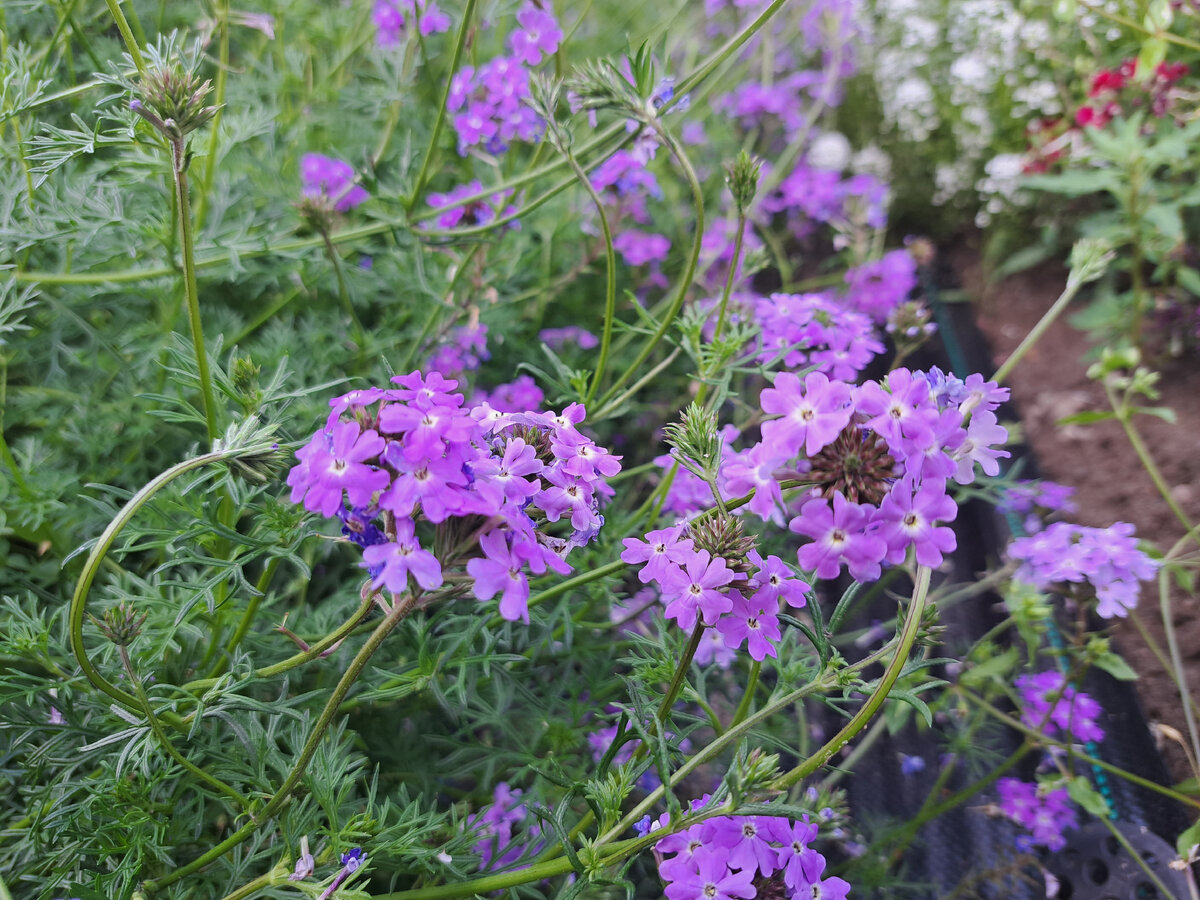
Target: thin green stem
1035	334
1171	38
743	709
298	659
1125	417
459	43
191	288
131	44
344	293
908	637
1071	750
78	606
685	282
681	668
738	236
394	617
147	709
1177	669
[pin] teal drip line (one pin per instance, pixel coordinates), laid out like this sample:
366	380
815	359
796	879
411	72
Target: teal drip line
958	365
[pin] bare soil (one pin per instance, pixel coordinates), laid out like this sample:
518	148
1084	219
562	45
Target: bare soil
1098	460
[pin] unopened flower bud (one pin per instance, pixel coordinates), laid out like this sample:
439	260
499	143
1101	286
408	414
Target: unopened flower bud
742	177
121	624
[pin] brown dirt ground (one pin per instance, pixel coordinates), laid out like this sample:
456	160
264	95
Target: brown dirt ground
1098	461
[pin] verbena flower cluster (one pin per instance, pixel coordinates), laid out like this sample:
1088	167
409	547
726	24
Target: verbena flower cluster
490	102
1043	810
388	460
697	586
331	180
507	830
738	856
1108	559
1051	704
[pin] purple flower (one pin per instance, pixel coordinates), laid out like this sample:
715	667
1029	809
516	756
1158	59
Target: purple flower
1050	703
908	516
663	552
840	536
695	590
1044	811
753	622
639	247
388	16
812	416
539	35
333	462
400	558
557	338
711	879
324	176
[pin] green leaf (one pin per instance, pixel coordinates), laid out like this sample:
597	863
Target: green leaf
1189	280
1088	417
1082	792
1163	412
1115	666
990	669
1189	839
1154	51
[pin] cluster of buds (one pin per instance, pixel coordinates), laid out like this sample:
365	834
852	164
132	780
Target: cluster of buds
173	102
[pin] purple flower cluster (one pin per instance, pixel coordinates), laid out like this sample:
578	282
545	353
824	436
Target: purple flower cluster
330	180
477	212
810	194
1048	702
1035	501
1045	812
721	858
389	19
696	586
489	103
624	183
879	456
558	338
414	456
519	395
876	288
816	330
1106	558
462	351
506	829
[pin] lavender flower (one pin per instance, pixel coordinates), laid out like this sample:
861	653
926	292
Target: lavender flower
326	178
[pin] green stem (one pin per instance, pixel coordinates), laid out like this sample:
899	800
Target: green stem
1125	417
1177	669
610	269
1038	330
748	698
459	43
866	712
78	605
191	289
1035	735
344	294
131	44
156	727
301	658
685	282
729	279
324	720
681	669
